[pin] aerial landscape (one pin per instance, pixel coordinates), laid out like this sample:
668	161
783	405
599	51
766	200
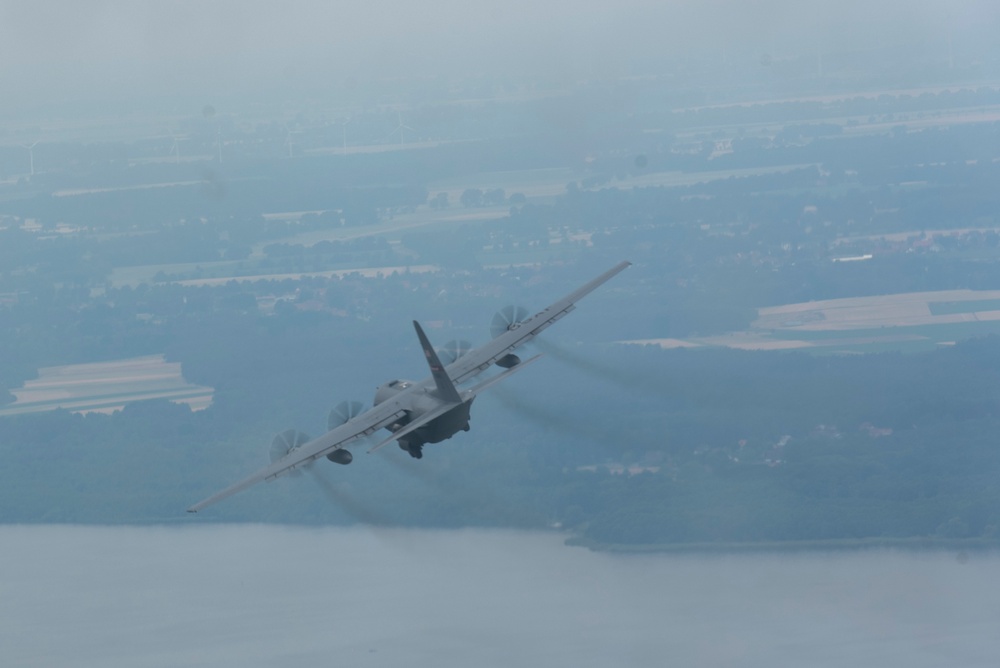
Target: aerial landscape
213	251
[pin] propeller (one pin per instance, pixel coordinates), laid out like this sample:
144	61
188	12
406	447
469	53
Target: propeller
452	350
343	412
285	442
340	414
506	319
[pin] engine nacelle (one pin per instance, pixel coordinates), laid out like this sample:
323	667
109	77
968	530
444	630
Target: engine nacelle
340	456
508	361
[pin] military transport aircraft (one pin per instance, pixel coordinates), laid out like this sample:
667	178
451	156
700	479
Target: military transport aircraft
416	413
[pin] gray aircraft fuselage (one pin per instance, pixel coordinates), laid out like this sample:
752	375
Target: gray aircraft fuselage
423	401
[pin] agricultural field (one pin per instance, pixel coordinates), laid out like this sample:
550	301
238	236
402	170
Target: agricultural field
908	321
106	387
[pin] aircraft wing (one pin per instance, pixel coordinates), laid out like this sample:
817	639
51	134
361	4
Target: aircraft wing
391	410
480	359
367	423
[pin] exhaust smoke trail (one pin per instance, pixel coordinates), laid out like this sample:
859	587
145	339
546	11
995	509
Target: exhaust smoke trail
346	502
628	380
461	494
583	429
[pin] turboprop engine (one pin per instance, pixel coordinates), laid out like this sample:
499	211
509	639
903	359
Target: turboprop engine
340	456
504	320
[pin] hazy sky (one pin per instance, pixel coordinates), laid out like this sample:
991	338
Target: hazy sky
64	48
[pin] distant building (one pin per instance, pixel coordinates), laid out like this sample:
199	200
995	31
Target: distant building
875	432
617	468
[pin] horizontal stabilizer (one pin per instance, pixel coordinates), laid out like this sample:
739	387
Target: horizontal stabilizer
417	424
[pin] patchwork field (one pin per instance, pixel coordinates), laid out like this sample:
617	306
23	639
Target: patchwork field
900	310
373	272
107	386
908	321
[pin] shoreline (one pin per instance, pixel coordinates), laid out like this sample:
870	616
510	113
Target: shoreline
919	543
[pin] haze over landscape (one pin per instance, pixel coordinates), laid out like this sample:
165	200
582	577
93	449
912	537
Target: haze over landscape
218	220
134	53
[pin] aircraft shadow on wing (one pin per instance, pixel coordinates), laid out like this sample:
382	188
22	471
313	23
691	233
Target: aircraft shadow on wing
417	413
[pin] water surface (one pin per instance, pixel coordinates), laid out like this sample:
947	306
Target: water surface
272	596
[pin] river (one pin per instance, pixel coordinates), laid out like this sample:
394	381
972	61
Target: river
245	596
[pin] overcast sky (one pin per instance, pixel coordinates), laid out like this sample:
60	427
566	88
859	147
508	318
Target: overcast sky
64	48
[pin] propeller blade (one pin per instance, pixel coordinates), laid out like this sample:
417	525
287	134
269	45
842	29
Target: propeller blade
343	412
453	350
506	319
285	442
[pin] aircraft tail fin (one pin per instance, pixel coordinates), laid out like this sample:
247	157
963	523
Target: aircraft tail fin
445	387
